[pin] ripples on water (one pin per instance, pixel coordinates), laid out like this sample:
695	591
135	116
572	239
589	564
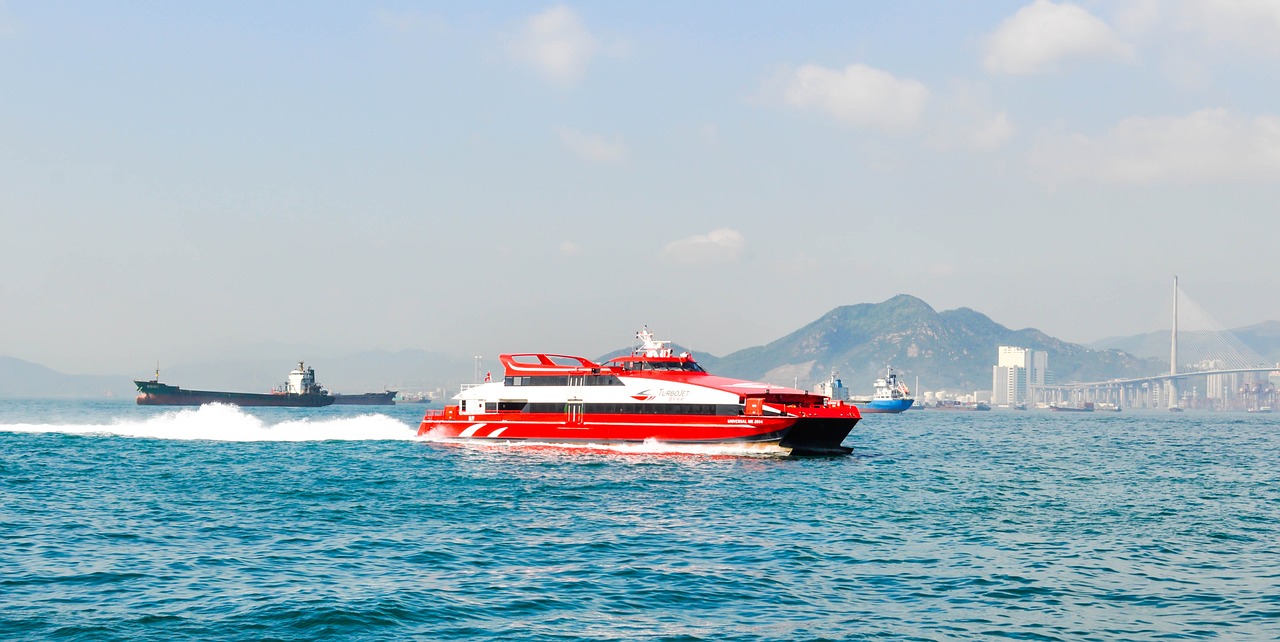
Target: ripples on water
126	523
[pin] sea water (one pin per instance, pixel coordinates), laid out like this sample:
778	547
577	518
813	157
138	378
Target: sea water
126	523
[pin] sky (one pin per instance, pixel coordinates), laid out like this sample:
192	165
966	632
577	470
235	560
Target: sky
192	182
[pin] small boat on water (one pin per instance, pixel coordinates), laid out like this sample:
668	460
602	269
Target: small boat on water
387	398
960	406
300	391
651	395
1261	409
1072	407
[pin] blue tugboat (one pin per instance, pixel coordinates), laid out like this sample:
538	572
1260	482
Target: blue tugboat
891	395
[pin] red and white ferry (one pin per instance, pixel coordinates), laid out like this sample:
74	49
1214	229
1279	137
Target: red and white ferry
651	395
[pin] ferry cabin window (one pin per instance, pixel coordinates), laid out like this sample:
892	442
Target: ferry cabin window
686	366
731	410
588	380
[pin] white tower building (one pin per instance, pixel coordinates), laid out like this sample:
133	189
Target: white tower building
1016	372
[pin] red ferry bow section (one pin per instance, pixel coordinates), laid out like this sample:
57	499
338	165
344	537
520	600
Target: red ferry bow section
650	395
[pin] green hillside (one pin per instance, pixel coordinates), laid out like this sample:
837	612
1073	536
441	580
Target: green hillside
951	350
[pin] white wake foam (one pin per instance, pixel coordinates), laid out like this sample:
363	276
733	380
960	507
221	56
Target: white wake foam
220	422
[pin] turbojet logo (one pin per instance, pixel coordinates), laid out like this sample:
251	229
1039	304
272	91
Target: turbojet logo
645	395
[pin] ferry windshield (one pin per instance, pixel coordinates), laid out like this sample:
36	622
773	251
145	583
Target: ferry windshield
685	366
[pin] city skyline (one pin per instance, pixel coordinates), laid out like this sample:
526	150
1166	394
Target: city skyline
183	183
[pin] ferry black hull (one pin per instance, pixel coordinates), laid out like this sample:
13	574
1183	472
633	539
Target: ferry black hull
800	437
367	399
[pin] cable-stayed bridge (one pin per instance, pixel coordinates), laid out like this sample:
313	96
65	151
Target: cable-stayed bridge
1210	368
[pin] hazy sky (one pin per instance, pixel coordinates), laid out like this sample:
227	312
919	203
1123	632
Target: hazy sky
190	181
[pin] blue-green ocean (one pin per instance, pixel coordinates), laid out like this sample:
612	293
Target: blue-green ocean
126	523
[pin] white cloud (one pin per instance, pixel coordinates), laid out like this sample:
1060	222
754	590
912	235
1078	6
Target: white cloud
717	246
1135	17
1042	34
856	95
965	118
593	148
1250	24
992	134
557	43
569	248
1208	145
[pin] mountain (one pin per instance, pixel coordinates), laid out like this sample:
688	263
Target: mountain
1263	338
24	379
372	371
406	370
1149	345
952	350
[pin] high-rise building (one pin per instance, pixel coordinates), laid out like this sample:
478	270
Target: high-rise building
1008	385
1016	373
1040	373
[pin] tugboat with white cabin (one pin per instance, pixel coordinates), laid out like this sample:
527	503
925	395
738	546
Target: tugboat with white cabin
891	395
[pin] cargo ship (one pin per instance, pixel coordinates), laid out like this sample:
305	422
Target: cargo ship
651	395
387	398
301	391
